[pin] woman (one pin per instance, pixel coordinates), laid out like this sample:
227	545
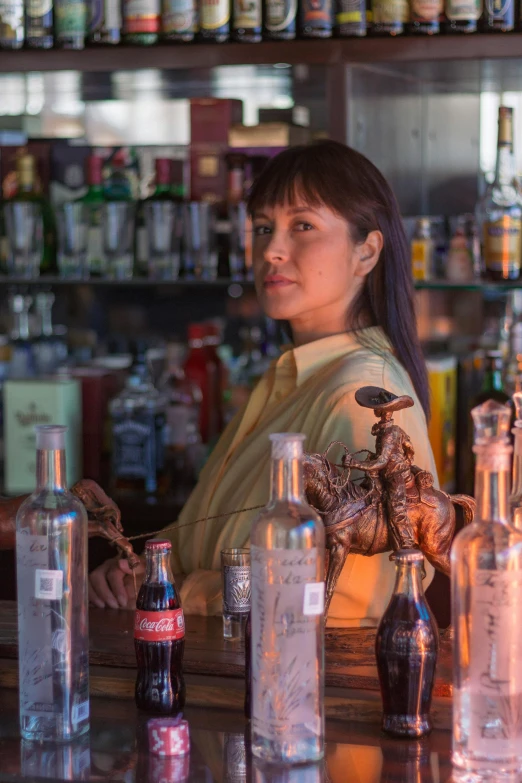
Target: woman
331	259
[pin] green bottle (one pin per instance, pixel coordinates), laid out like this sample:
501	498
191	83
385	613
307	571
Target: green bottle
94	199
29	190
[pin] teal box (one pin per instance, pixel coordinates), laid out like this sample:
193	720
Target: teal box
29	402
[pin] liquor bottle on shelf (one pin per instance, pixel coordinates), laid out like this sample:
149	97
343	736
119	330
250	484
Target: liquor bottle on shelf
486	579
53	620
462	16
22	364
214	20
70	23
498	16
515	498
315	19
280	20
389	17
406	648
425	17
141	21
422	251
183	438
104	22
94	199
12	32
201	369
179	20
49	348
492	382
287	563
350	18
39	24
247	20
28	190
138	429
500	210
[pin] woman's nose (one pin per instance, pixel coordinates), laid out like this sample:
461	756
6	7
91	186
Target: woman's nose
276	250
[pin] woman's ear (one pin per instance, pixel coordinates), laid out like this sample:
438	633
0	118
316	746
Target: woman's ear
367	253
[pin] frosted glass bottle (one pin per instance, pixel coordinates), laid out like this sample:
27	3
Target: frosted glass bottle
53	633
287	643
486	564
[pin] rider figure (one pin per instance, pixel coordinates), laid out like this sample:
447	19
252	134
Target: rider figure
393	460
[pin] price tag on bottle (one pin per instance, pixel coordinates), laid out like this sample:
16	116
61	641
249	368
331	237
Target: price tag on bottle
48	584
313	598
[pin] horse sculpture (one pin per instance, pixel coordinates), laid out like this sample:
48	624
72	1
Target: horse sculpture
355	515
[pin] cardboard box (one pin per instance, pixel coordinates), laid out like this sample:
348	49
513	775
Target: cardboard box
211	119
268	134
208	174
39	401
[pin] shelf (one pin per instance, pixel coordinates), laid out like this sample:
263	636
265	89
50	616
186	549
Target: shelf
50	280
478	285
320	52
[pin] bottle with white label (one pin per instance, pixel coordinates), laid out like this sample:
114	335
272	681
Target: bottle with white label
53	630
287	614
486	580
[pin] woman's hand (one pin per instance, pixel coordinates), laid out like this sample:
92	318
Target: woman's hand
112	584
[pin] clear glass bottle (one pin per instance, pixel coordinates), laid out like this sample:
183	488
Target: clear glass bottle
138	429
406	648
500	212
53	631
422	251
49	349
22	363
515	498
287	564
486	578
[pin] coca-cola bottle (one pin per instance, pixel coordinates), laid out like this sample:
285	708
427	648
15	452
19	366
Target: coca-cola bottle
159	636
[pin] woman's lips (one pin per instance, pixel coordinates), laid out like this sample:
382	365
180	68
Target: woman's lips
277	281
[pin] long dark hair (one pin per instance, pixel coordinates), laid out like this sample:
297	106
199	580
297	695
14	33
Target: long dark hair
342	179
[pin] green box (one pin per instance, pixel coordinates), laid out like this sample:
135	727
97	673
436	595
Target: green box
29	402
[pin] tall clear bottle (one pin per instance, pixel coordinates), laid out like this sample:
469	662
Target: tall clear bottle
53	632
486	566
515	499
287	644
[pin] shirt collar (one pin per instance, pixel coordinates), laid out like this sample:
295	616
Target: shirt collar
314	356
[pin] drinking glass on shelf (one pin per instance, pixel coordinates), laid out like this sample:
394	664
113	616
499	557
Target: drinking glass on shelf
118	238
200	258
163	222
235	571
73	231
25	238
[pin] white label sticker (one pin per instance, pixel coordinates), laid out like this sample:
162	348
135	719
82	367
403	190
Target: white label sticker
48	584
313	598
80	712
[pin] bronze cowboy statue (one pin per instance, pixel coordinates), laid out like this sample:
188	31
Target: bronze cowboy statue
396	504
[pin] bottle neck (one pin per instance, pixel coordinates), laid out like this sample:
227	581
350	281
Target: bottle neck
493	380
46	322
158	567
408	580
492	482
50	470
505	170
21	325
286	481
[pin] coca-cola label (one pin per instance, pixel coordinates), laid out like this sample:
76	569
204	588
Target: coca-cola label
159	626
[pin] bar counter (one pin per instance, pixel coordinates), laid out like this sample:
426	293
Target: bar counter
356	750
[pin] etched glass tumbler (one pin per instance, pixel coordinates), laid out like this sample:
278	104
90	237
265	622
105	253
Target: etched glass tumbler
235	570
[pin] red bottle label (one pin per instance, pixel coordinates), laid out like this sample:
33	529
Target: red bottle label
159	626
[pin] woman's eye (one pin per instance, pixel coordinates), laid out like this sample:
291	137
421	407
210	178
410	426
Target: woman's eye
260	230
304	226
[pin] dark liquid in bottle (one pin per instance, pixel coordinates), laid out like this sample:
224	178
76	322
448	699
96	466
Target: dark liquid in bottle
406	649
160	686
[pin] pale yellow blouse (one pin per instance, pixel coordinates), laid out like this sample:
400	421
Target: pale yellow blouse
309	389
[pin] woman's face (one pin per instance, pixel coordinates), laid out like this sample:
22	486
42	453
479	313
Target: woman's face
307	268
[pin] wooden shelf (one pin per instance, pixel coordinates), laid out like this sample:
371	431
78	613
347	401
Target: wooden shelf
51	280
321	52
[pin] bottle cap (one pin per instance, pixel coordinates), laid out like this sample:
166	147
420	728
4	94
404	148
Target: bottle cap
408	556
50	437
197	331
491	420
287	445
158	543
